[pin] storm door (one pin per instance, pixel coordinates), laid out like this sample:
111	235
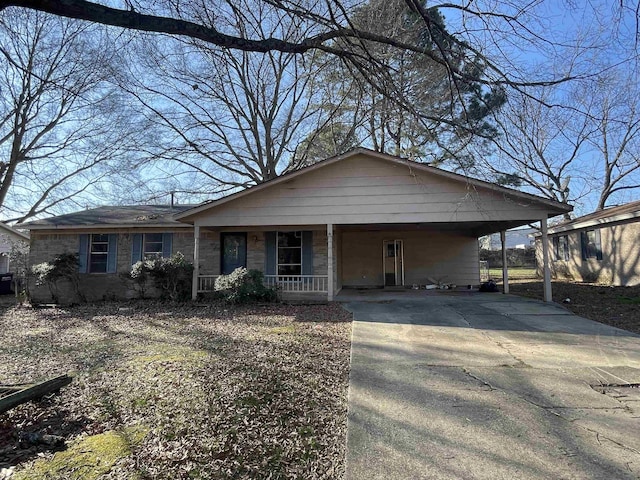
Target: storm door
233	251
393	263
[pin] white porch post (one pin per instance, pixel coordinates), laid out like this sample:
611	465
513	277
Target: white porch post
330	262
505	268
545	261
196	261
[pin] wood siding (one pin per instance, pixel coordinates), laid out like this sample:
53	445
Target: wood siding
362	190
445	257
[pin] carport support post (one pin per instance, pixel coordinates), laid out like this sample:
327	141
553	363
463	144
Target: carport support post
196	261
505	269
330	262
545	261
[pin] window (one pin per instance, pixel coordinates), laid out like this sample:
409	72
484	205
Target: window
561	244
99	253
289	253
152	245
591	247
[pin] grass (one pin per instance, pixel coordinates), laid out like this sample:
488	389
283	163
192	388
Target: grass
210	392
514	273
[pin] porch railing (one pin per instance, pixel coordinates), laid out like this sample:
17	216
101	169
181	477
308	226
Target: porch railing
298	283
206	283
284	283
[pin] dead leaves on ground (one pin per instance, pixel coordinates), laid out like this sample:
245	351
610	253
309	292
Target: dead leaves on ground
253	392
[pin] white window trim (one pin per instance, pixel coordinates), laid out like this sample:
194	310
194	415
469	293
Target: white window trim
92	253
147	255
278	264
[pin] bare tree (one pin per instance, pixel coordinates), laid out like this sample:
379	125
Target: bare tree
60	130
540	148
487	22
584	149
231	117
614	108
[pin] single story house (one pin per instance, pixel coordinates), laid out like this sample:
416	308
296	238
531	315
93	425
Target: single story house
358	220
603	247
8	237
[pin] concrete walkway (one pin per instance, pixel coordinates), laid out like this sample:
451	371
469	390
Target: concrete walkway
488	386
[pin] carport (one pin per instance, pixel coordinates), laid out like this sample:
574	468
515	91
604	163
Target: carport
372	220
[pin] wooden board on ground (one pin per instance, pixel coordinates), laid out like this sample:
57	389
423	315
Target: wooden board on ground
13	395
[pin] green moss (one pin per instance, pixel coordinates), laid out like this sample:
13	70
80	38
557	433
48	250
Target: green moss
283	330
88	458
630	300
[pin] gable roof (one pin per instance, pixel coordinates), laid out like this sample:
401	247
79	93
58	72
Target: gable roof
114	216
628	211
555	207
12	232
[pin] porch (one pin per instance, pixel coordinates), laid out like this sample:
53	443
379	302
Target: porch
332	257
283	283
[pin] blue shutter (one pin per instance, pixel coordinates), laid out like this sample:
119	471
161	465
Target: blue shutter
167	244
556	248
83	253
307	253
270	253
112	253
136	248
598	244
584	244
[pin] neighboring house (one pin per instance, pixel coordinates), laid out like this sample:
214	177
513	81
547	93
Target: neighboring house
520	238
8	237
359	220
603	246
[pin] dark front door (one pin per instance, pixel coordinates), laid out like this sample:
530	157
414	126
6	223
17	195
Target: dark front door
233	251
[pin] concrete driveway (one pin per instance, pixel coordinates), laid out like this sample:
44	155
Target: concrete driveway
493	386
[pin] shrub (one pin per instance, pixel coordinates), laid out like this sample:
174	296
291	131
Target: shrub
243	285
172	276
139	276
62	267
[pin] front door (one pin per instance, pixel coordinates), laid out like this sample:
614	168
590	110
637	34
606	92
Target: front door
393	263
233	251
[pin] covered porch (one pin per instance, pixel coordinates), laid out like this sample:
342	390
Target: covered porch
318	261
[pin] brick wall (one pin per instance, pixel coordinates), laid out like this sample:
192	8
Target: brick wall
95	286
98	286
620	264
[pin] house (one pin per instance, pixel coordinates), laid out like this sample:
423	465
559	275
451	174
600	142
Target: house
108	240
358	220
520	239
8	237
603	247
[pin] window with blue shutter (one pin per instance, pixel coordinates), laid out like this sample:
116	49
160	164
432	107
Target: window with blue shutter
591	245
151	245
83	253
98	253
270	253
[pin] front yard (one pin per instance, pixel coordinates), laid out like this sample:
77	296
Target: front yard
178	392
615	306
